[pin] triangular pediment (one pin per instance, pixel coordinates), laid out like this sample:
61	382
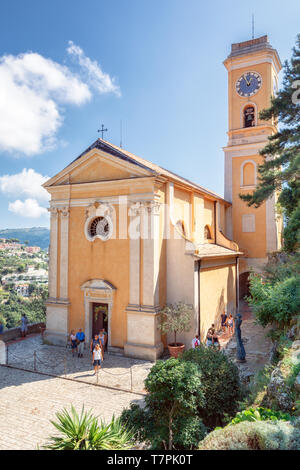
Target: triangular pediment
98	165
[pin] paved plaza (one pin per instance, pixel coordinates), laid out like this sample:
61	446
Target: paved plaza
28	401
117	372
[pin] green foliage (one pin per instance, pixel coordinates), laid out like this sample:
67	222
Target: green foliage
259	414
222	388
275	301
84	433
258	435
169	419
280	171
175	319
13	308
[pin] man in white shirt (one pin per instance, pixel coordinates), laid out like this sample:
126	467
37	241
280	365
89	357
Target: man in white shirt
196	342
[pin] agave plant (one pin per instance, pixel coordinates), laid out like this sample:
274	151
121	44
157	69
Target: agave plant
84	433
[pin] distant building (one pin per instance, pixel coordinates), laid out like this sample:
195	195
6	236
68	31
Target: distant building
32	249
22	289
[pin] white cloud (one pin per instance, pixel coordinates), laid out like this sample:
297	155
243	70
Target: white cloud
28	208
33	90
27	183
99	80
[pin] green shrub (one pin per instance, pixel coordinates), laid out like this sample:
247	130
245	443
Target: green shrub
169	419
259	435
259	414
222	387
136	419
275	301
84	433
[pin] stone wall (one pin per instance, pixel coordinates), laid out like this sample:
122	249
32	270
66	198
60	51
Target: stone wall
14	333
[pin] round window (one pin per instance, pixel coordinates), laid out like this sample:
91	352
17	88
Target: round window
100	227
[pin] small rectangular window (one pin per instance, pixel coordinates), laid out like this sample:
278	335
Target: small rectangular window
248	223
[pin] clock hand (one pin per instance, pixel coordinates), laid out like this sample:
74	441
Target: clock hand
245	77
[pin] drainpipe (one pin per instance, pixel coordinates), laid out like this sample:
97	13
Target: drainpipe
237	283
199	311
215	220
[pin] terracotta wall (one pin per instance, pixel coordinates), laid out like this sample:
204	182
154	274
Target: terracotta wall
217	292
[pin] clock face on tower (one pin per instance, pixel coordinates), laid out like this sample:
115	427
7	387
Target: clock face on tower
248	84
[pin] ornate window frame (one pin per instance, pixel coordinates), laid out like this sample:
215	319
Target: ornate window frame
98	210
97	291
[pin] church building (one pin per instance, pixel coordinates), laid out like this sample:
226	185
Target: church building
128	237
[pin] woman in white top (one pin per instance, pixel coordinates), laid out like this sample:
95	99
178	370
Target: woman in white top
97	357
73	342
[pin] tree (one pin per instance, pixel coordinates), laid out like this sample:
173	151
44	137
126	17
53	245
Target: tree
280	171
175	319
222	388
169	419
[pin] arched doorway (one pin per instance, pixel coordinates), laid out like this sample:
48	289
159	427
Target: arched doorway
244	285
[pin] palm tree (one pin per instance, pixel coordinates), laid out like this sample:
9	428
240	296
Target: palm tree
84	433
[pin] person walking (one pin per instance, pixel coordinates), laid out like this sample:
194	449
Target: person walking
196	342
80	336
73	340
24	325
97	358
93	343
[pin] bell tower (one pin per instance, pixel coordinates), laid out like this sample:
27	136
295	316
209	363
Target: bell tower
253	68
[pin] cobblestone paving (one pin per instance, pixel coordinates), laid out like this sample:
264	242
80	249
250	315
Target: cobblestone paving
117	371
28	401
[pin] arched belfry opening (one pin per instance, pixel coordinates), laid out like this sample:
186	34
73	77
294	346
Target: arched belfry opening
249	116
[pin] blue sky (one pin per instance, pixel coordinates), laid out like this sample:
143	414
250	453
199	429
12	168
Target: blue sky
66	67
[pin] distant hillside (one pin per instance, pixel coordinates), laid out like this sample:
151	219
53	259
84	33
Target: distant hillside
36	236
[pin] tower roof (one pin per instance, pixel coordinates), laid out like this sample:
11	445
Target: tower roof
247	47
255	46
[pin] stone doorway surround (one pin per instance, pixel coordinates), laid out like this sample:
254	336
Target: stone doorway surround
97	291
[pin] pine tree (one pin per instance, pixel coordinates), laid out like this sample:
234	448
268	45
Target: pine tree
280	171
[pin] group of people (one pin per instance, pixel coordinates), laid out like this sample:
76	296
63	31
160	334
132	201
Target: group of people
98	346
212	339
227	323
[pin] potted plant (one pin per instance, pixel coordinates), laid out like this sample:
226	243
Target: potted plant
175	319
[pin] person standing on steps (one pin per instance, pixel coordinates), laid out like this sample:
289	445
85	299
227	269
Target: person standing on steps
230	324
223	322
210	334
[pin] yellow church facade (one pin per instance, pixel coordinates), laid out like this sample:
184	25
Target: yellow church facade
128	237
